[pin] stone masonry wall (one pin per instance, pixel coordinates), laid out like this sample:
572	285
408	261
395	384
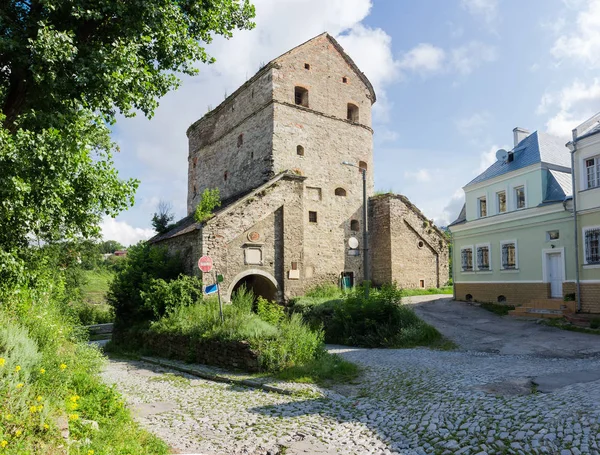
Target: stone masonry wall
380	241
327	138
515	293
419	252
327	91
590	295
189	247
227	354
214	148
274	213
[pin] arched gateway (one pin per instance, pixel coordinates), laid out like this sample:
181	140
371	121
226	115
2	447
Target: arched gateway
260	283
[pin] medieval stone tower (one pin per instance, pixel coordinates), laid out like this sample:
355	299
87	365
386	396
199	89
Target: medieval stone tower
274	148
306	111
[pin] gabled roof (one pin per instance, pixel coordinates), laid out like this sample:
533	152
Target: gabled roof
462	216
189	224
346	57
536	148
273	63
588	128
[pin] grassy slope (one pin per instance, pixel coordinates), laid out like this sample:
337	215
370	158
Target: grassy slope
96	286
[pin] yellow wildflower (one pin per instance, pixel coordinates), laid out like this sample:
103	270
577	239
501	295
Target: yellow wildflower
18	368
8	416
19	385
42	371
2	361
40	407
39	398
33	409
63	366
18	433
46	426
73	416
4	443
74	398
90	452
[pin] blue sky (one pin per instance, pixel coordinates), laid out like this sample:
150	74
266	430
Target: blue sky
453	78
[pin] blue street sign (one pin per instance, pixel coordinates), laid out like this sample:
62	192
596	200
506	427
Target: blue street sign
210	289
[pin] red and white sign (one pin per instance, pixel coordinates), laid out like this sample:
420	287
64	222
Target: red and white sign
205	264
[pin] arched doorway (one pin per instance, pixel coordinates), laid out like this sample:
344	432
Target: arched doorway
260	283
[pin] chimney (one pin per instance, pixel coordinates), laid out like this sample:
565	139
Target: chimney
520	134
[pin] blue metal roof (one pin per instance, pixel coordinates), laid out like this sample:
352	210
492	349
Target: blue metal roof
536	148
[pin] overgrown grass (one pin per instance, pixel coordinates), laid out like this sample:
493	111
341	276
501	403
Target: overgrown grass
566	325
48	375
428	291
95	285
498	308
283	342
328	368
88	303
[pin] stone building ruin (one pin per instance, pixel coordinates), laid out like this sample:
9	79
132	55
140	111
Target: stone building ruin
274	149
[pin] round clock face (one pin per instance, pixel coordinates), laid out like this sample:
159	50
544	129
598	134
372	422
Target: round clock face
353	242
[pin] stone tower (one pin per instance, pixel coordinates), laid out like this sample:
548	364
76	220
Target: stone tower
306	111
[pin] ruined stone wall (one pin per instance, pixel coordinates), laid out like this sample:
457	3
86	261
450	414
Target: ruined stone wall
188	247
235	138
324	79
418	252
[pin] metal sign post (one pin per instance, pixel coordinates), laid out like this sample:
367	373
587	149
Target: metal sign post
219	296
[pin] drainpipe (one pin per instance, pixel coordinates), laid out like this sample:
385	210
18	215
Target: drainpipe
453	266
573	147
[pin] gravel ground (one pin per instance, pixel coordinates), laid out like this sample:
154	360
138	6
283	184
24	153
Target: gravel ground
413	401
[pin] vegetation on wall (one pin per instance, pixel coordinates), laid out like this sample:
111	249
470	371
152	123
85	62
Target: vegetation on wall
209	201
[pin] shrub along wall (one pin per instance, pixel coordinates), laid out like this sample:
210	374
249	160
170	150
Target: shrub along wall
226	354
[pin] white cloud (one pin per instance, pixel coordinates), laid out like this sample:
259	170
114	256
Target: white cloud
424	58
472	55
486	10
421	175
452	209
582	41
123	232
487	158
573	104
473	125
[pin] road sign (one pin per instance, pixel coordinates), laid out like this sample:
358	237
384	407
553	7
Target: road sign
220	278
205	264
211	289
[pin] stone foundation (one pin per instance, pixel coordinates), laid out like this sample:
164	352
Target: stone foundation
226	354
515	293
590	295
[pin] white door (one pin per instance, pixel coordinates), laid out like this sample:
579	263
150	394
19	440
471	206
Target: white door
555	273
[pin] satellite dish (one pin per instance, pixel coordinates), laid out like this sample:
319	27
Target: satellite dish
353	242
502	155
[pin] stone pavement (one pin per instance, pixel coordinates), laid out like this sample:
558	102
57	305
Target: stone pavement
413	401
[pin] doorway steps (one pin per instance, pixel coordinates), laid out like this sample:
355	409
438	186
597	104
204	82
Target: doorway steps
544	308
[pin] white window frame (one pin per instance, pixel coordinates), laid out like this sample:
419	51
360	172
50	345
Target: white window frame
548	239
596	168
505	242
467	247
476	257
498	202
487	207
514	195
585	262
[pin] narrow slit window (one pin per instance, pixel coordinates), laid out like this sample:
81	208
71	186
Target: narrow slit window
301	96
345	80
352	113
300	150
307	66
355	225
225	175
312	217
240	140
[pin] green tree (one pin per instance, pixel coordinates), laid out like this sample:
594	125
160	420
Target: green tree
210	200
110	246
67	69
161	220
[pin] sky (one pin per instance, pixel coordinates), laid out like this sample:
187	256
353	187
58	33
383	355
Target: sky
452	77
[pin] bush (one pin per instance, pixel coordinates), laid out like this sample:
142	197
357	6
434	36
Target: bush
595	323
376	321
269	311
143	265
164	297
89	313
